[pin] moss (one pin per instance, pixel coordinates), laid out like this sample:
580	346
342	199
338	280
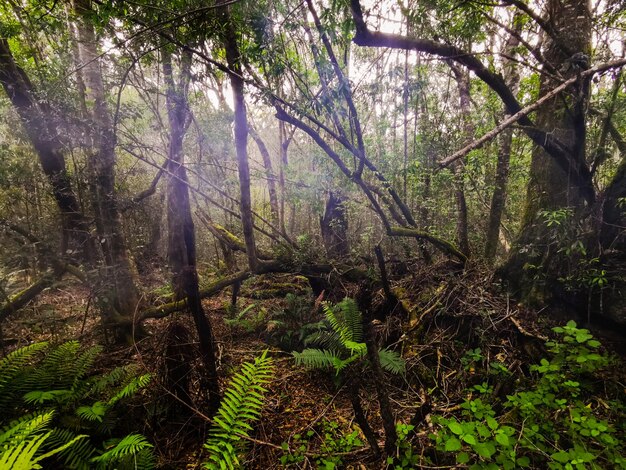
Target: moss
443	245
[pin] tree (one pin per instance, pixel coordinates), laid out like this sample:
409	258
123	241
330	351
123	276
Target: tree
121	297
181	230
40	124
551	186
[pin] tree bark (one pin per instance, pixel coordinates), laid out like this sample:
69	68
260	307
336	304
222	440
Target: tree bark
39	123
234	61
463	84
271	178
498	199
334	226
181	230
551	186
119	276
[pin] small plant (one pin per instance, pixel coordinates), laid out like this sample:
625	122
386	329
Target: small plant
405	457
341	343
471	358
556	218
334	442
241	404
550	423
248	319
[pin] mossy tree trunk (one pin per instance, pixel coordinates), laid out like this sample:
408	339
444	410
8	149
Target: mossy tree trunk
551	188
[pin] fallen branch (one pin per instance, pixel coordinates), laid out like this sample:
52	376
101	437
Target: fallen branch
440	243
164	310
23	297
525	111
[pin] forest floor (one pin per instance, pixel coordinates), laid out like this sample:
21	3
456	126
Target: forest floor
454	324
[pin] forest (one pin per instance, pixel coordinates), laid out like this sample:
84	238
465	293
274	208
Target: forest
360	234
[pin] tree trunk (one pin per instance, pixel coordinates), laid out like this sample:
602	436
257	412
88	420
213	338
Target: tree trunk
233	59
334	226
119	277
550	186
498	200
39	124
271	178
181	230
463	83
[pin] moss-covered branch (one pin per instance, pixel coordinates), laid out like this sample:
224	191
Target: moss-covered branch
440	243
176	306
20	299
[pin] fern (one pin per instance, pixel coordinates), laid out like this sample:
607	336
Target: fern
12	368
343	344
131	388
20	443
392	362
82	403
345	319
110	379
316	358
324	339
242	404
78	456
132	451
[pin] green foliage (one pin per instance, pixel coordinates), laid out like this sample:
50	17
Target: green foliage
12	368
550	423
290	326
342	342
334	442
241	404
248	319
59	387
24	438
405	457
132	451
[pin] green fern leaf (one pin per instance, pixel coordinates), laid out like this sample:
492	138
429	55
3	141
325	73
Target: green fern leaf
12	371
241	405
125	450
392	362
316	358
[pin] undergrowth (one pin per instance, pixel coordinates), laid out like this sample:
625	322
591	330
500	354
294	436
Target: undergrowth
55	410
556	418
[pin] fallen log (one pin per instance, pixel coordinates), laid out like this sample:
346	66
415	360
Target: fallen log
17	301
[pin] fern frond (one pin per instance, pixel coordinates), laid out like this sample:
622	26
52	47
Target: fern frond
131	388
76	457
94	412
352	318
392	362
316	358
39	397
324	339
25	438
21	455
23	427
127	452
57	370
84	363
345	319
12	367
241	404
111	379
